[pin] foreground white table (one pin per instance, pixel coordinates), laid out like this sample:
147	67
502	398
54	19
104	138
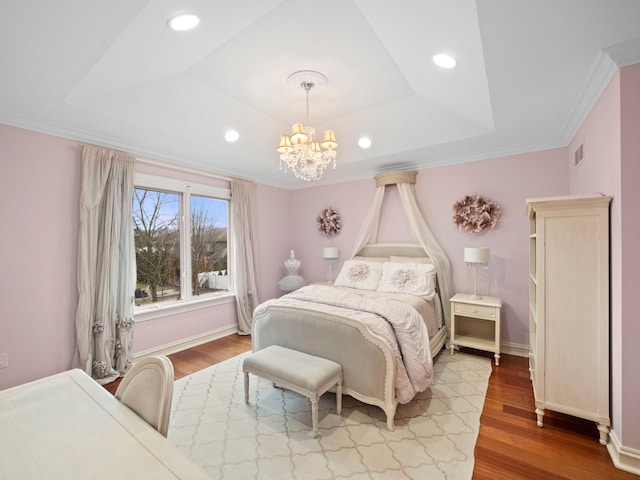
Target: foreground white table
67	426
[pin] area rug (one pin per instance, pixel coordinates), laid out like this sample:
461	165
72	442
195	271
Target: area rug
434	436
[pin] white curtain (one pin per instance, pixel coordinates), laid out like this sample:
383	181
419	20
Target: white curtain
106	264
369	230
420	233
243	200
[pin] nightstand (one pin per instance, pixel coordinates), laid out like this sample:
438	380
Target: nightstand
475	323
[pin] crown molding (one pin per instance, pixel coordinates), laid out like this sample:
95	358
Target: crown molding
607	64
626	53
597	81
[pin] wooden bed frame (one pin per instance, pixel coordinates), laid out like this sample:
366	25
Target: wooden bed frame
367	360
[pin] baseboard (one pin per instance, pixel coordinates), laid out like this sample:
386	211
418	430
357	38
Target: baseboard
624	458
515	349
185	343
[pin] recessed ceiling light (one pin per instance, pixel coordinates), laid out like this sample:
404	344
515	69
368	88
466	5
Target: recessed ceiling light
444	61
185	21
364	142
231	136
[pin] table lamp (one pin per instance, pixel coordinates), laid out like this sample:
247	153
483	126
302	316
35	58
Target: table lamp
330	255
474	256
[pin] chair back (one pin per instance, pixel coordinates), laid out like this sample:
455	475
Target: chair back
147	389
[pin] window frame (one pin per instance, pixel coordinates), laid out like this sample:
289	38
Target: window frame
189	302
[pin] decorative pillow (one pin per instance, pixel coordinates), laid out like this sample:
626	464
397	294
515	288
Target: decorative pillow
371	259
396	259
413	278
359	274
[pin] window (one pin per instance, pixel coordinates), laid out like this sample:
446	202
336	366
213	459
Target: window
181	259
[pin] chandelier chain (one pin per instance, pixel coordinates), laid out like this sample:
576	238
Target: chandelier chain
307	86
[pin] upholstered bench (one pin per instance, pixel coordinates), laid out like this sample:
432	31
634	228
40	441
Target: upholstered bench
300	372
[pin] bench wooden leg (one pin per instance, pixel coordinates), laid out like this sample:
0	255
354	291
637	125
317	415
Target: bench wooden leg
246	387
339	397
314	415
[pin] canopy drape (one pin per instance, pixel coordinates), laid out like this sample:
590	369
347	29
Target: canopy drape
420	231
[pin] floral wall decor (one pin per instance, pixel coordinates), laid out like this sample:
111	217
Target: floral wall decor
475	213
329	223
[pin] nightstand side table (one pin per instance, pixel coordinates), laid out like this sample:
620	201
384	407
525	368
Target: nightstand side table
475	323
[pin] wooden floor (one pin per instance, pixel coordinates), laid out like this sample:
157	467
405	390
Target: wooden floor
510	445
203	356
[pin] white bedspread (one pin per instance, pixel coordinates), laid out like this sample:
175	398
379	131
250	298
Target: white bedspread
388	317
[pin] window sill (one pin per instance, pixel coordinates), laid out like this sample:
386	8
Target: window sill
162	311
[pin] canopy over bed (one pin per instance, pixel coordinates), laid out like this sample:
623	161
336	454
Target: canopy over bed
420	231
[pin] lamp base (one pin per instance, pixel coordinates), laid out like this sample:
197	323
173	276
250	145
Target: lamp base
475	295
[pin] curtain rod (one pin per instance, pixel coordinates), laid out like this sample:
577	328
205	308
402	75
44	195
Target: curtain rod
180	168
166	164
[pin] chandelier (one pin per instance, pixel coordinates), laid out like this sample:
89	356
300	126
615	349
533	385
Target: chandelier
301	152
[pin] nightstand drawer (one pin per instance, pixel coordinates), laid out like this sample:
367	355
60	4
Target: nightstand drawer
475	310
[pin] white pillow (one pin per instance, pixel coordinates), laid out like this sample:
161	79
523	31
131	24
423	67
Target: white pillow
359	274
412	278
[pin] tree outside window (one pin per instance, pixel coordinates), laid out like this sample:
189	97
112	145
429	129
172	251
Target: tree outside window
179	257
208	246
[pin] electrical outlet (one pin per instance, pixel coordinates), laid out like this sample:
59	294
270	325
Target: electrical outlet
4	360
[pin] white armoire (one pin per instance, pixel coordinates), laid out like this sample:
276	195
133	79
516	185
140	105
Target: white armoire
569	307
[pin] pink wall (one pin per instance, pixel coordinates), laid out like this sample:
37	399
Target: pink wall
39	195
599	172
350	199
630	233
166	330
611	150
507	181
274	228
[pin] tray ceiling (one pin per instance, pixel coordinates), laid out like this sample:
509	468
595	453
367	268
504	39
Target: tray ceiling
527	74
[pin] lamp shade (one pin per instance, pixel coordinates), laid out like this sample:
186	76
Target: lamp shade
285	144
330	253
476	254
298	135
329	140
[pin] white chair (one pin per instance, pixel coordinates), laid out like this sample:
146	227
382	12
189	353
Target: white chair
147	389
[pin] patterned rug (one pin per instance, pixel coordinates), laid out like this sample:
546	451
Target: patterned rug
434	437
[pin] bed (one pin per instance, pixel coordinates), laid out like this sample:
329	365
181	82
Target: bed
327	321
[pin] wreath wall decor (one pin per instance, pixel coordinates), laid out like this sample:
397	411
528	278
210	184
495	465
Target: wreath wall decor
329	223
475	213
